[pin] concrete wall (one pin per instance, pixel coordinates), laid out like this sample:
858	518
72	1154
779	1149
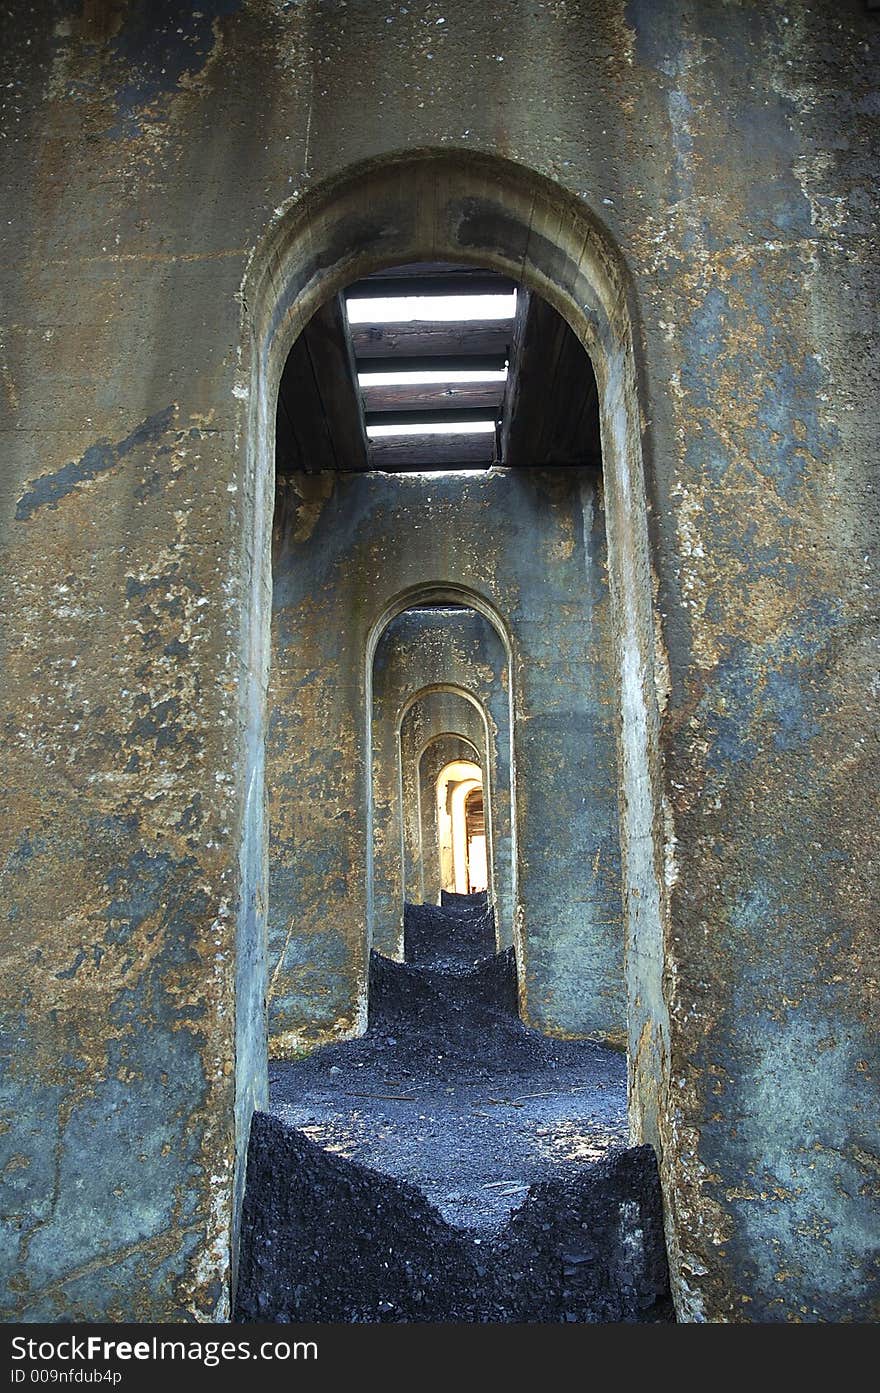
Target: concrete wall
344	551
428	648
728	151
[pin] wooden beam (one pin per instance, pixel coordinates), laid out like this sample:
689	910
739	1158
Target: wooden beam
523	412
320	422
572	436
452	283
435	396
398	453
333	361
405	418
302	438
463	338
550	411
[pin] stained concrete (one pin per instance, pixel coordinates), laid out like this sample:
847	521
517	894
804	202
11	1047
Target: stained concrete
344	551
722	158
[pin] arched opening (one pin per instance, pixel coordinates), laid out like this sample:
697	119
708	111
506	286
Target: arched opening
422	723
477	878
468	874
532	642
437	754
455	784
495	214
440	666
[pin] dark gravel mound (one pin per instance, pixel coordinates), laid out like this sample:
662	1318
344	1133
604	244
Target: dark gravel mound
448	1089
327	1240
447	1002
526	1203
450	900
442	937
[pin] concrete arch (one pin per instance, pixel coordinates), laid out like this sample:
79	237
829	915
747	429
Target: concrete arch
501	847
452	689
436	593
459	206
431	759
439	687
443	735
421	205
419	646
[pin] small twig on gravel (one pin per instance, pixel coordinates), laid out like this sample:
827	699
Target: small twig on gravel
578	1088
386	1097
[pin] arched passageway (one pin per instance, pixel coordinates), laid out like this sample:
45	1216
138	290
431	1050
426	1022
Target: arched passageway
438	754
438	669
455	785
499	216
423	746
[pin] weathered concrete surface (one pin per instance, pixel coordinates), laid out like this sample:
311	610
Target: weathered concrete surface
432	648
766	507
344	552
729	150
317	910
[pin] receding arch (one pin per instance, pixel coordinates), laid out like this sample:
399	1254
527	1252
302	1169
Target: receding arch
452	734
460	693
433	759
459	831
451	687
457	205
413	597
436	593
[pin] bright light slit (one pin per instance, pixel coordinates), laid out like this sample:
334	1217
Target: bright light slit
403	309
416	379
432	427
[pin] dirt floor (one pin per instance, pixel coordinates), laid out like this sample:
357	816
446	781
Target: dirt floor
471	1121
460	1145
